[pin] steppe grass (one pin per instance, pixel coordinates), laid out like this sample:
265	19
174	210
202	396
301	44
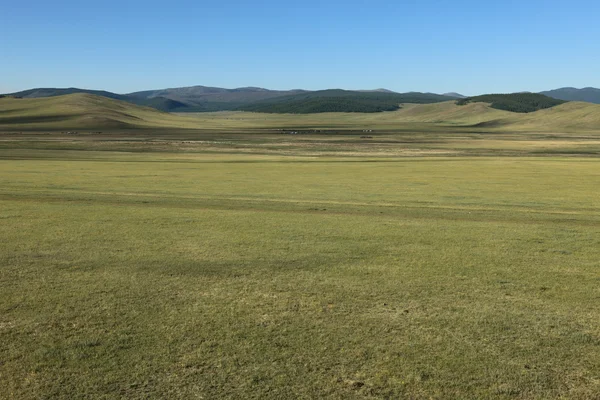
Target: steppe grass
158	275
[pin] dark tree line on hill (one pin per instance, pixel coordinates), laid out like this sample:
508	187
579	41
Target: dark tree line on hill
330	104
514	102
341	101
203	99
206	99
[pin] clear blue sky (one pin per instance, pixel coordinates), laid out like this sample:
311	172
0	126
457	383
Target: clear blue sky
419	45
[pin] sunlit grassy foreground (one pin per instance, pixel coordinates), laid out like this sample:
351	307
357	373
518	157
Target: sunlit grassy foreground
244	276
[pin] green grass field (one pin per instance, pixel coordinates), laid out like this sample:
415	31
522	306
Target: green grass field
260	266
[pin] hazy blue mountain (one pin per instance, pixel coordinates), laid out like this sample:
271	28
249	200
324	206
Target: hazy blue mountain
380	90
197	96
455	95
51	92
206	98
588	94
193	98
158	102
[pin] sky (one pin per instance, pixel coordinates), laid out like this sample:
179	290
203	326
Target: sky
466	46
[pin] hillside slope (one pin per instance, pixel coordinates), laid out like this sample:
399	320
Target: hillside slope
337	100
446	116
158	102
514	102
53	92
589	94
204	97
82	111
567	117
210	99
184	99
94	113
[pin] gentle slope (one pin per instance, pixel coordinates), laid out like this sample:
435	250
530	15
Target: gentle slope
82	111
89	112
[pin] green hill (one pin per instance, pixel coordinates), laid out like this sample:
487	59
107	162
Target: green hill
445	117
205	98
514	102
337	100
588	94
53	92
82	111
94	113
160	103
208	99
184	99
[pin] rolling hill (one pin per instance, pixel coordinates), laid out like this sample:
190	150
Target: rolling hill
184	99
157	102
53	92
204	98
589	94
566	117
95	113
576	117
337	100
82	111
208	99
514	102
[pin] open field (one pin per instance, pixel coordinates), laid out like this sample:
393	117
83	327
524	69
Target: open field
447	252
351	143
267	266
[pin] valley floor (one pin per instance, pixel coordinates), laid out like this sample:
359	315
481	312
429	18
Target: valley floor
266	266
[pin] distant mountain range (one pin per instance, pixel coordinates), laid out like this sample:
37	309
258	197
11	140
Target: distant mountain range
204	98
160	103
184	99
515	112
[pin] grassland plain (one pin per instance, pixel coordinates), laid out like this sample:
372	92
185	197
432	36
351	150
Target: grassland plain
193	272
